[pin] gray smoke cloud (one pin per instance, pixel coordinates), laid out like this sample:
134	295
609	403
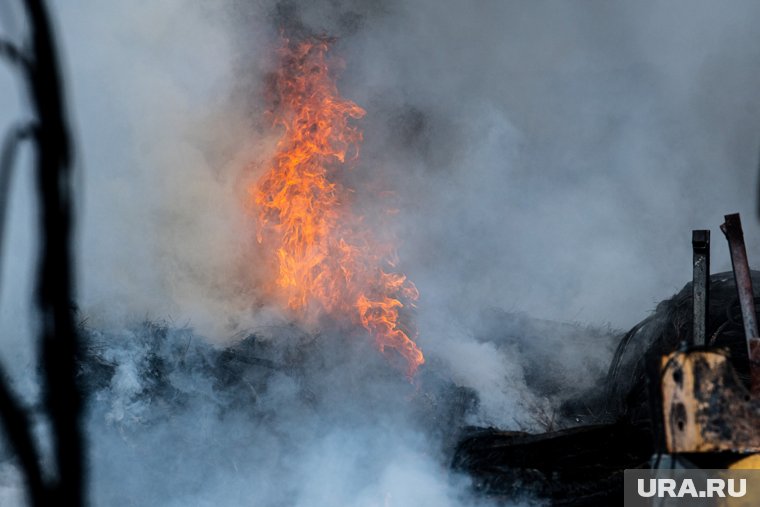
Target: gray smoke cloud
548	160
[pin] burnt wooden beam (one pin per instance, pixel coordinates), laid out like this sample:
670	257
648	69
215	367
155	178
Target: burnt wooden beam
732	228
700	242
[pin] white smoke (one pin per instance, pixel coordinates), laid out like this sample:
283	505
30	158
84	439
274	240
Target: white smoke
547	159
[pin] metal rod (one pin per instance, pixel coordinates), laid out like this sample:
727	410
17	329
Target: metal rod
700	286
732	228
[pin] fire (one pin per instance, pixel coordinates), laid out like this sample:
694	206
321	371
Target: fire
325	260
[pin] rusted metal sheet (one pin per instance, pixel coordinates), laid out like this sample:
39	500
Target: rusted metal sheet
706	408
700	242
732	228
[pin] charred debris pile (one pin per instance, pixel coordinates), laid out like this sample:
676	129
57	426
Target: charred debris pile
608	420
155	369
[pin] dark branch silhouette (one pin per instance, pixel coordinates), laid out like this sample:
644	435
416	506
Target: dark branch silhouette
59	342
12	141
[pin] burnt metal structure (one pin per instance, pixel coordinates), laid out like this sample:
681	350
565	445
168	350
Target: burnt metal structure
678	387
732	228
706	408
700	242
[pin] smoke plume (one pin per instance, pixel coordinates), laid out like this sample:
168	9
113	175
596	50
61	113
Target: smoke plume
547	163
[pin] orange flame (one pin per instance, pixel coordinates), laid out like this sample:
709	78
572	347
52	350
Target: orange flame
327	263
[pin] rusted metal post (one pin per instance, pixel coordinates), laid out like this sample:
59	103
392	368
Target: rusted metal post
732	228
700	285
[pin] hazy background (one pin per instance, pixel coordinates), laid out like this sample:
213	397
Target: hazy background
547	158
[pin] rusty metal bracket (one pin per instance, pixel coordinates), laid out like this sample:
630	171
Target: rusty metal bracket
732	228
700	286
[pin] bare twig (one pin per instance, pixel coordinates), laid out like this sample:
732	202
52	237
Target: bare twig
13	139
15	422
13	54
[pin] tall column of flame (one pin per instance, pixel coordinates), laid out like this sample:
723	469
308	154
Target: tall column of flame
326	261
